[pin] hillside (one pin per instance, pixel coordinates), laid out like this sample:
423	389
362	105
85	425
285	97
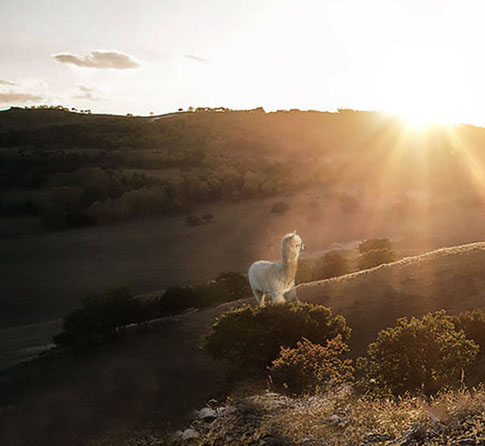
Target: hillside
159	376
81	169
449	278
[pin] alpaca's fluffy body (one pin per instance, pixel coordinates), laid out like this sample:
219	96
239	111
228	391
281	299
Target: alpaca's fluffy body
277	279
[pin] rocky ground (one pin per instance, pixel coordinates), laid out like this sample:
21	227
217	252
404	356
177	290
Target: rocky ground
337	418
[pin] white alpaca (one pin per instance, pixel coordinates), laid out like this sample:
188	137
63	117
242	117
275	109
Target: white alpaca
277	279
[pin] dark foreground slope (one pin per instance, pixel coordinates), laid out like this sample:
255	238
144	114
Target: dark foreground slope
145	379
148	379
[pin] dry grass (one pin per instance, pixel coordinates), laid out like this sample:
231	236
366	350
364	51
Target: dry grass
449	278
341	418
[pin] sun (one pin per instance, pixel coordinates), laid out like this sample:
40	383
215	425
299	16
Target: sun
423	86
418	117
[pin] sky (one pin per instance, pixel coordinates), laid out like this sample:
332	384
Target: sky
421	59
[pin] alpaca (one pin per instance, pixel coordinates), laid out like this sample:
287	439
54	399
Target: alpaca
277	279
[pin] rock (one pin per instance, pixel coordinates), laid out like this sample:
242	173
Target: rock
189	434
347	421
207	415
333	420
374	437
177	435
225	411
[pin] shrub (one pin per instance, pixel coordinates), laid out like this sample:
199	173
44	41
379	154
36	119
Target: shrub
236	285
193	220
178	298
250	338
332	264
376	257
473	324
226	287
310	367
208	217
425	354
304	273
280	207
208	294
375	243
104	315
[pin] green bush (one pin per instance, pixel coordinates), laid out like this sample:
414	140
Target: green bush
280	207
226	287
332	264
375	243
193	220
310	368
376	257
235	285
178	298
418	354
251	338
473	324
104	315
305	271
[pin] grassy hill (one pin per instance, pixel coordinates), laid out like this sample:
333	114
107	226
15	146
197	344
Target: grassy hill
152	378
101	169
449	278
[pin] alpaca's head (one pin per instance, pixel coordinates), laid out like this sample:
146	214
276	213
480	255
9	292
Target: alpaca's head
291	246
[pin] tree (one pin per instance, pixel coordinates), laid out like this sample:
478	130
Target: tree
376	257
332	264
104	315
235	285
280	207
375	243
305	271
177	298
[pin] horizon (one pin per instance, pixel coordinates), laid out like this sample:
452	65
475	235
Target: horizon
411	127
416	61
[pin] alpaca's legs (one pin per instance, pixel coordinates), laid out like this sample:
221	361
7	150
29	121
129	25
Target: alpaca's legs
291	296
259	295
278	299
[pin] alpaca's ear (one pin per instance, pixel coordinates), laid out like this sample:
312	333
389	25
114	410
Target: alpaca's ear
294	231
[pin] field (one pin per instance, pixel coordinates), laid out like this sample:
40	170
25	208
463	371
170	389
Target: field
92	202
131	385
44	275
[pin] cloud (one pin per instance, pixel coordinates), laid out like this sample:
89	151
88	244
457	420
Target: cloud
89	93
22	92
99	59
18	98
196	58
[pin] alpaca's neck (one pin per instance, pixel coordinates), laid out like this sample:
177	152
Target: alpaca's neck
288	267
